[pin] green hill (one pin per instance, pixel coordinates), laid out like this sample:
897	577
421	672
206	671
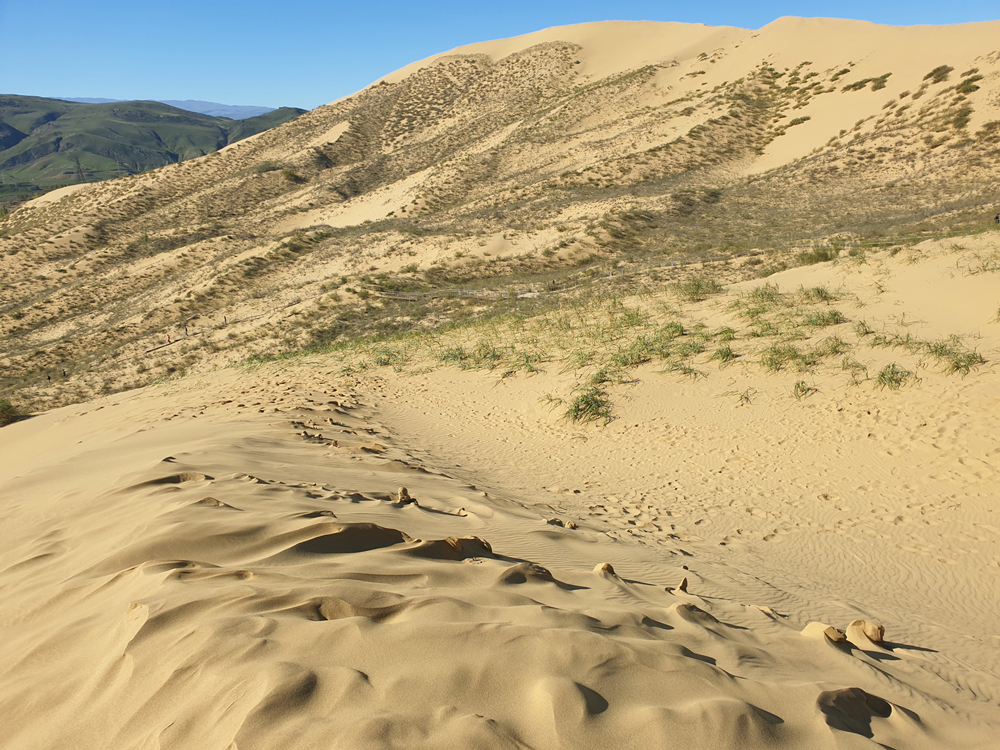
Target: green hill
45	143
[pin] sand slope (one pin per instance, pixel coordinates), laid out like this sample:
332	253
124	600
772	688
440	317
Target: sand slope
494	165
223	561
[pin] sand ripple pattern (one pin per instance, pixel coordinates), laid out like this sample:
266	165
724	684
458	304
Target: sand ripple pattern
261	581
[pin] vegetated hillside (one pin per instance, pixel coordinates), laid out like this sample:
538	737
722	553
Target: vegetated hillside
215	109
48	142
504	164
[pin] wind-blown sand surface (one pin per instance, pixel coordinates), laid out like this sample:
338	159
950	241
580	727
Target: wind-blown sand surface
223	561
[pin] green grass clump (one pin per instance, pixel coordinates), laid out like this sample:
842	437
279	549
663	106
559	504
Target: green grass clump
801	389
825	318
486	355
968	85
674	329
817	255
689	348
766	295
877	83
726	334
576	360
964	362
939	74
858	371
454	355
524	362
681	368
955	357
635	354
817	294
388	356
892	376
607	375
778	356
696	289
723	355
8	412
763	329
589	406
832	346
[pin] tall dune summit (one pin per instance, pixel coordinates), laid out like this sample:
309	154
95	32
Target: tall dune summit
622	385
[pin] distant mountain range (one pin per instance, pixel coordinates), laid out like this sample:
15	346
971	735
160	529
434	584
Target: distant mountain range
214	109
49	142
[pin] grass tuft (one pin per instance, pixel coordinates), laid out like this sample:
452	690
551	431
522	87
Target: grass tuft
723	355
817	255
8	412
388	356
768	295
777	356
682	368
745	397
725	335
955	357
832	346
524	362
607	375
589	406
892	376
858	371
801	389
817	294
696	289
635	354
825	318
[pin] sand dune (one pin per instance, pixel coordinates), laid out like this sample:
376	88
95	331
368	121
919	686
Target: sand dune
497	164
292	556
780	532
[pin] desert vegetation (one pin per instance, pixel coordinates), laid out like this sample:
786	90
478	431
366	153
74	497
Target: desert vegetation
280	244
8	412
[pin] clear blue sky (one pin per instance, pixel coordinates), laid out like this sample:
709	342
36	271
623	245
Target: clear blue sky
304	53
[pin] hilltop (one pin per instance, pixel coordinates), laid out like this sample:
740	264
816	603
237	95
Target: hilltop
50	142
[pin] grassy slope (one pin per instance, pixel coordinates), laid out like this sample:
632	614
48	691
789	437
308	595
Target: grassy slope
112	138
578	174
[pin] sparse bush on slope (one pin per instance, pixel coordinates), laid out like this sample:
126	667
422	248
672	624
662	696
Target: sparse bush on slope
8	412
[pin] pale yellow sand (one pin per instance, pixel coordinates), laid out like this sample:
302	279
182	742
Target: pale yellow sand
222	561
